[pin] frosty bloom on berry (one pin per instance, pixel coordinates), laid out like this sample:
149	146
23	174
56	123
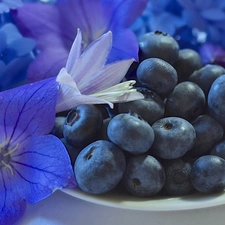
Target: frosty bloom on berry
54	28
33	164
87	81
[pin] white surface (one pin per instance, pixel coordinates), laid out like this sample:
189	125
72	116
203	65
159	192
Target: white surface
120	199
62	209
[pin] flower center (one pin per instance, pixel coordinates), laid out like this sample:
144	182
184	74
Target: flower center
5	154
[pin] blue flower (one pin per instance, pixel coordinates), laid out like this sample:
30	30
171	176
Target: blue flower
15	56
54	28
206	16
163	15
6	5
33	163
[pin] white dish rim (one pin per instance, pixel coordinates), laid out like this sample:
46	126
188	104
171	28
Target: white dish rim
126	201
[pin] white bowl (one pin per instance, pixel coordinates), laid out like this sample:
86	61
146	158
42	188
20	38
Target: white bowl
122	200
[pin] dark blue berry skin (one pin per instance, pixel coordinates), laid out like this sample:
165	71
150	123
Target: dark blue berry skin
178	179
72	151
188	61
219	149
158	45
157	75
216	98
207	174
99	167
57	130
151	108
144	176
205	76
131	133
174	137
187	101
208	132
83	125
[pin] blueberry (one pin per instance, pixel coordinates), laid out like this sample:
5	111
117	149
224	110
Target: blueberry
205	76
83	125
219	149
99	167
178	177
131	133
188	61
57	130
216	98
151	108
187	101
72	151
157	75
208	132
158	45
174	137
207	174
144	176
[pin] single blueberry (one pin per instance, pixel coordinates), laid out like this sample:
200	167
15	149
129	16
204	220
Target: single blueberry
83	125
131	133
208	132
57	130
187	101
219	149
205	76
174	137
151	108
157	75
188	61
99	167
158	45
144	176
178	179
207	174
216	98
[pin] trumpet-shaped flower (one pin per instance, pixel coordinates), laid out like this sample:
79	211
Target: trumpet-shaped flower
33	164
87	78
54	28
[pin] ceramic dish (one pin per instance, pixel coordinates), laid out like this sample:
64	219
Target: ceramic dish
122	200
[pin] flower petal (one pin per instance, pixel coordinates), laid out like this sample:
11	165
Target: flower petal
74	54
123	48
42	167
110	75
124	13
12	206
86	66
47	64
41	22
28	110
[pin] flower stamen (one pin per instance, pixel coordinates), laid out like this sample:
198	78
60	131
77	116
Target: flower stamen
8	166
12	150
115	92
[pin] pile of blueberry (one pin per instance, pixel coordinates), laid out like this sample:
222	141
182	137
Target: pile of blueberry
170	143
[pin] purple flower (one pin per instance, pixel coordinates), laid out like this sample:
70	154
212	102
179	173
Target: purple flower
33	164
93	82
54	28
6	5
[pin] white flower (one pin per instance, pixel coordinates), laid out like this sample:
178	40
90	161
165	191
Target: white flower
87	79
